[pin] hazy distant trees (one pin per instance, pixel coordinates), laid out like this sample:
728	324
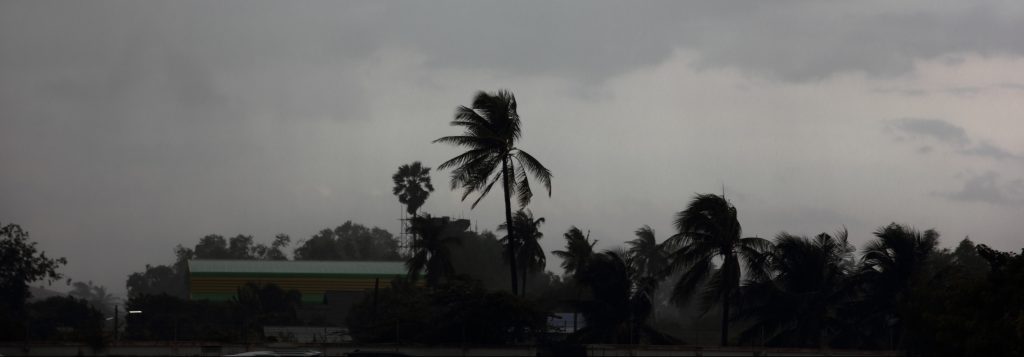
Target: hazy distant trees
239	247
96	295
349	241
491	128
475	257
431	250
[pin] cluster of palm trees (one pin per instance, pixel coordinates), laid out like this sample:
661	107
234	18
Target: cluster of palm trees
794	291
491	129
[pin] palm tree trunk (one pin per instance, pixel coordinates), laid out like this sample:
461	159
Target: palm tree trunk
725	320
508	224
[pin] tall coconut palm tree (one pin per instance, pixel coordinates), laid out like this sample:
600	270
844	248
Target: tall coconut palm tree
801	303
648	257
430	248
890	266
412	186
492	128
529	252
709	230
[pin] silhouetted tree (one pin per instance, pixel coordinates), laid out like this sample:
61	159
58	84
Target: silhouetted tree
647	256
20	264
492	128
529	252
349	241
475	257
412	186
578	253
431	247
162	279
966	255
891	264
265	304
579	249
456	311
621	301
96	295
800	301
708	229
66	318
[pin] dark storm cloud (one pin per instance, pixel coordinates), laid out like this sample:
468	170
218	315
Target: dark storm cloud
952	135
985	149
130	126
989	188
937	129
787	40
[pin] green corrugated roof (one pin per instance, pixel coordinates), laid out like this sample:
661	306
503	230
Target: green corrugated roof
297	267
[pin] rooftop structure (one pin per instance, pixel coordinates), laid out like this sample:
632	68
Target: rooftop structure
219	280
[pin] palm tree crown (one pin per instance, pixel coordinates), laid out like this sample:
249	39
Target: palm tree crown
412	186
801	303
890	266
648	257
492	128
579	249
708	229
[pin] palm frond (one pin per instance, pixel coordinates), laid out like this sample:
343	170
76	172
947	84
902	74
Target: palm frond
535	168
522	184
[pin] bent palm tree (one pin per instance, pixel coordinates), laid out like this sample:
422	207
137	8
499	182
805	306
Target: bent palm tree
708	229
578	253
530	254
412	186
579	249
430	248
648	257
492	128
802	303
891	264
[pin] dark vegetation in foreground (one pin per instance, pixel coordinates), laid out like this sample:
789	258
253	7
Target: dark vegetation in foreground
902	292
899	291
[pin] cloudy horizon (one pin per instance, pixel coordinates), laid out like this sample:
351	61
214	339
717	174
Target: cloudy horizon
127	128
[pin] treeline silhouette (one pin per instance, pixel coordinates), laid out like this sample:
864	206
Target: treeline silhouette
899	291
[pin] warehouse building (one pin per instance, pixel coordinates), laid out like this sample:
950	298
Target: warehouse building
219	280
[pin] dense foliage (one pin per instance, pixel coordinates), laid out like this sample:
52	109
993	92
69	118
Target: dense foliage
349	241
168	318
20	264
459	311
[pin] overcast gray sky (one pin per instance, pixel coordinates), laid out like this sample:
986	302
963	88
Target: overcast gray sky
129	127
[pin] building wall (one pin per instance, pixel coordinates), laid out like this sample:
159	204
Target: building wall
221	287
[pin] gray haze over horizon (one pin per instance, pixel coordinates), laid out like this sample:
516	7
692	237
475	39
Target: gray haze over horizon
127	127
